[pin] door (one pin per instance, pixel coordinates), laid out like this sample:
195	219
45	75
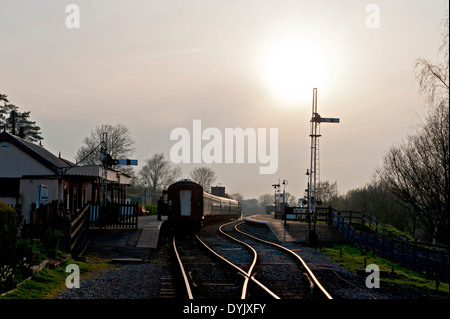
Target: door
185	202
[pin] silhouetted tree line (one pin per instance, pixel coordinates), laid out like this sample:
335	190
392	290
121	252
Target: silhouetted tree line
411	188
416	172
16	122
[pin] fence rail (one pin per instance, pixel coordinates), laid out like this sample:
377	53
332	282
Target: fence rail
52	216
73	225
302	214
114	216
432	260
78	226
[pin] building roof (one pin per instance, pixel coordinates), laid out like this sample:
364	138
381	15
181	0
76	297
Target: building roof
60	165
38	152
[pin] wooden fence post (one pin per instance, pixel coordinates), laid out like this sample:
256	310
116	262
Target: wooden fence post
415	254
392	249
403	254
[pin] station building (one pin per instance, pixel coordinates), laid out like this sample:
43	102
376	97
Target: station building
31	176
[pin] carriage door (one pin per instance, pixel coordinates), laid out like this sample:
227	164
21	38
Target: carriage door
185	202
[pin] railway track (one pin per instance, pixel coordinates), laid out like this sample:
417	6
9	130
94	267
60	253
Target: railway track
240	265
203	275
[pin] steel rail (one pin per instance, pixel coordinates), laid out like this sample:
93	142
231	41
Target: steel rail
240	270
255	258
183	272
310	273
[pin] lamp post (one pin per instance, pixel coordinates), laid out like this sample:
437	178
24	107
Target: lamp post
285	182
145	193
275	186
308	201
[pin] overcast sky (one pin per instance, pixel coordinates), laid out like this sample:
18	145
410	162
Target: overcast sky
155	66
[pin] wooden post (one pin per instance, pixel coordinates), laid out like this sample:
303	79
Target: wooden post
415	254
374	245
403	254
365	244
392	249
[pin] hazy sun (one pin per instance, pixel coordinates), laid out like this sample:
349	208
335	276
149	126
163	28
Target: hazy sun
293	67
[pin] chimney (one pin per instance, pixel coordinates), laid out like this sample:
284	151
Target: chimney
21	132
218	191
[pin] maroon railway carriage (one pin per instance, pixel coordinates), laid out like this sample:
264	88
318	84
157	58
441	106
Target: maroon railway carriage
189	207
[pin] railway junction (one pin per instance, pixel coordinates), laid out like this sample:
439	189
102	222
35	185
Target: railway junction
146	268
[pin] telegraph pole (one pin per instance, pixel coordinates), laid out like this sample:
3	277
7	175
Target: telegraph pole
316	119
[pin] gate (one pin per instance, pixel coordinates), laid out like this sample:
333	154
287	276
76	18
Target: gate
111	216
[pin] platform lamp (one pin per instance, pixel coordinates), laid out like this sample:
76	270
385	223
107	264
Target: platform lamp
285	182
307	190
145	192
275	186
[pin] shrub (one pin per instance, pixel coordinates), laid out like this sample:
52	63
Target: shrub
8	233
51	238
31	252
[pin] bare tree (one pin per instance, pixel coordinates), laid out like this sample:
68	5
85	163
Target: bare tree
291	200
203	176
433	78
158	173
374	198
238	196
417	172
265	200
120	145
327	191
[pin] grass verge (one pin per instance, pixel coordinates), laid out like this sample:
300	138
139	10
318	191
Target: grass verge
47	283
353	258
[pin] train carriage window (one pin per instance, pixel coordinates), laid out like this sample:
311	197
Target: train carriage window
185	202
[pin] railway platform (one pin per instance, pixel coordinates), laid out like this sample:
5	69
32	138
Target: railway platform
151	227
126	245
295	231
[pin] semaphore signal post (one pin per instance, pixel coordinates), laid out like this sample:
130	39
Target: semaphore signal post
107	162
316	119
